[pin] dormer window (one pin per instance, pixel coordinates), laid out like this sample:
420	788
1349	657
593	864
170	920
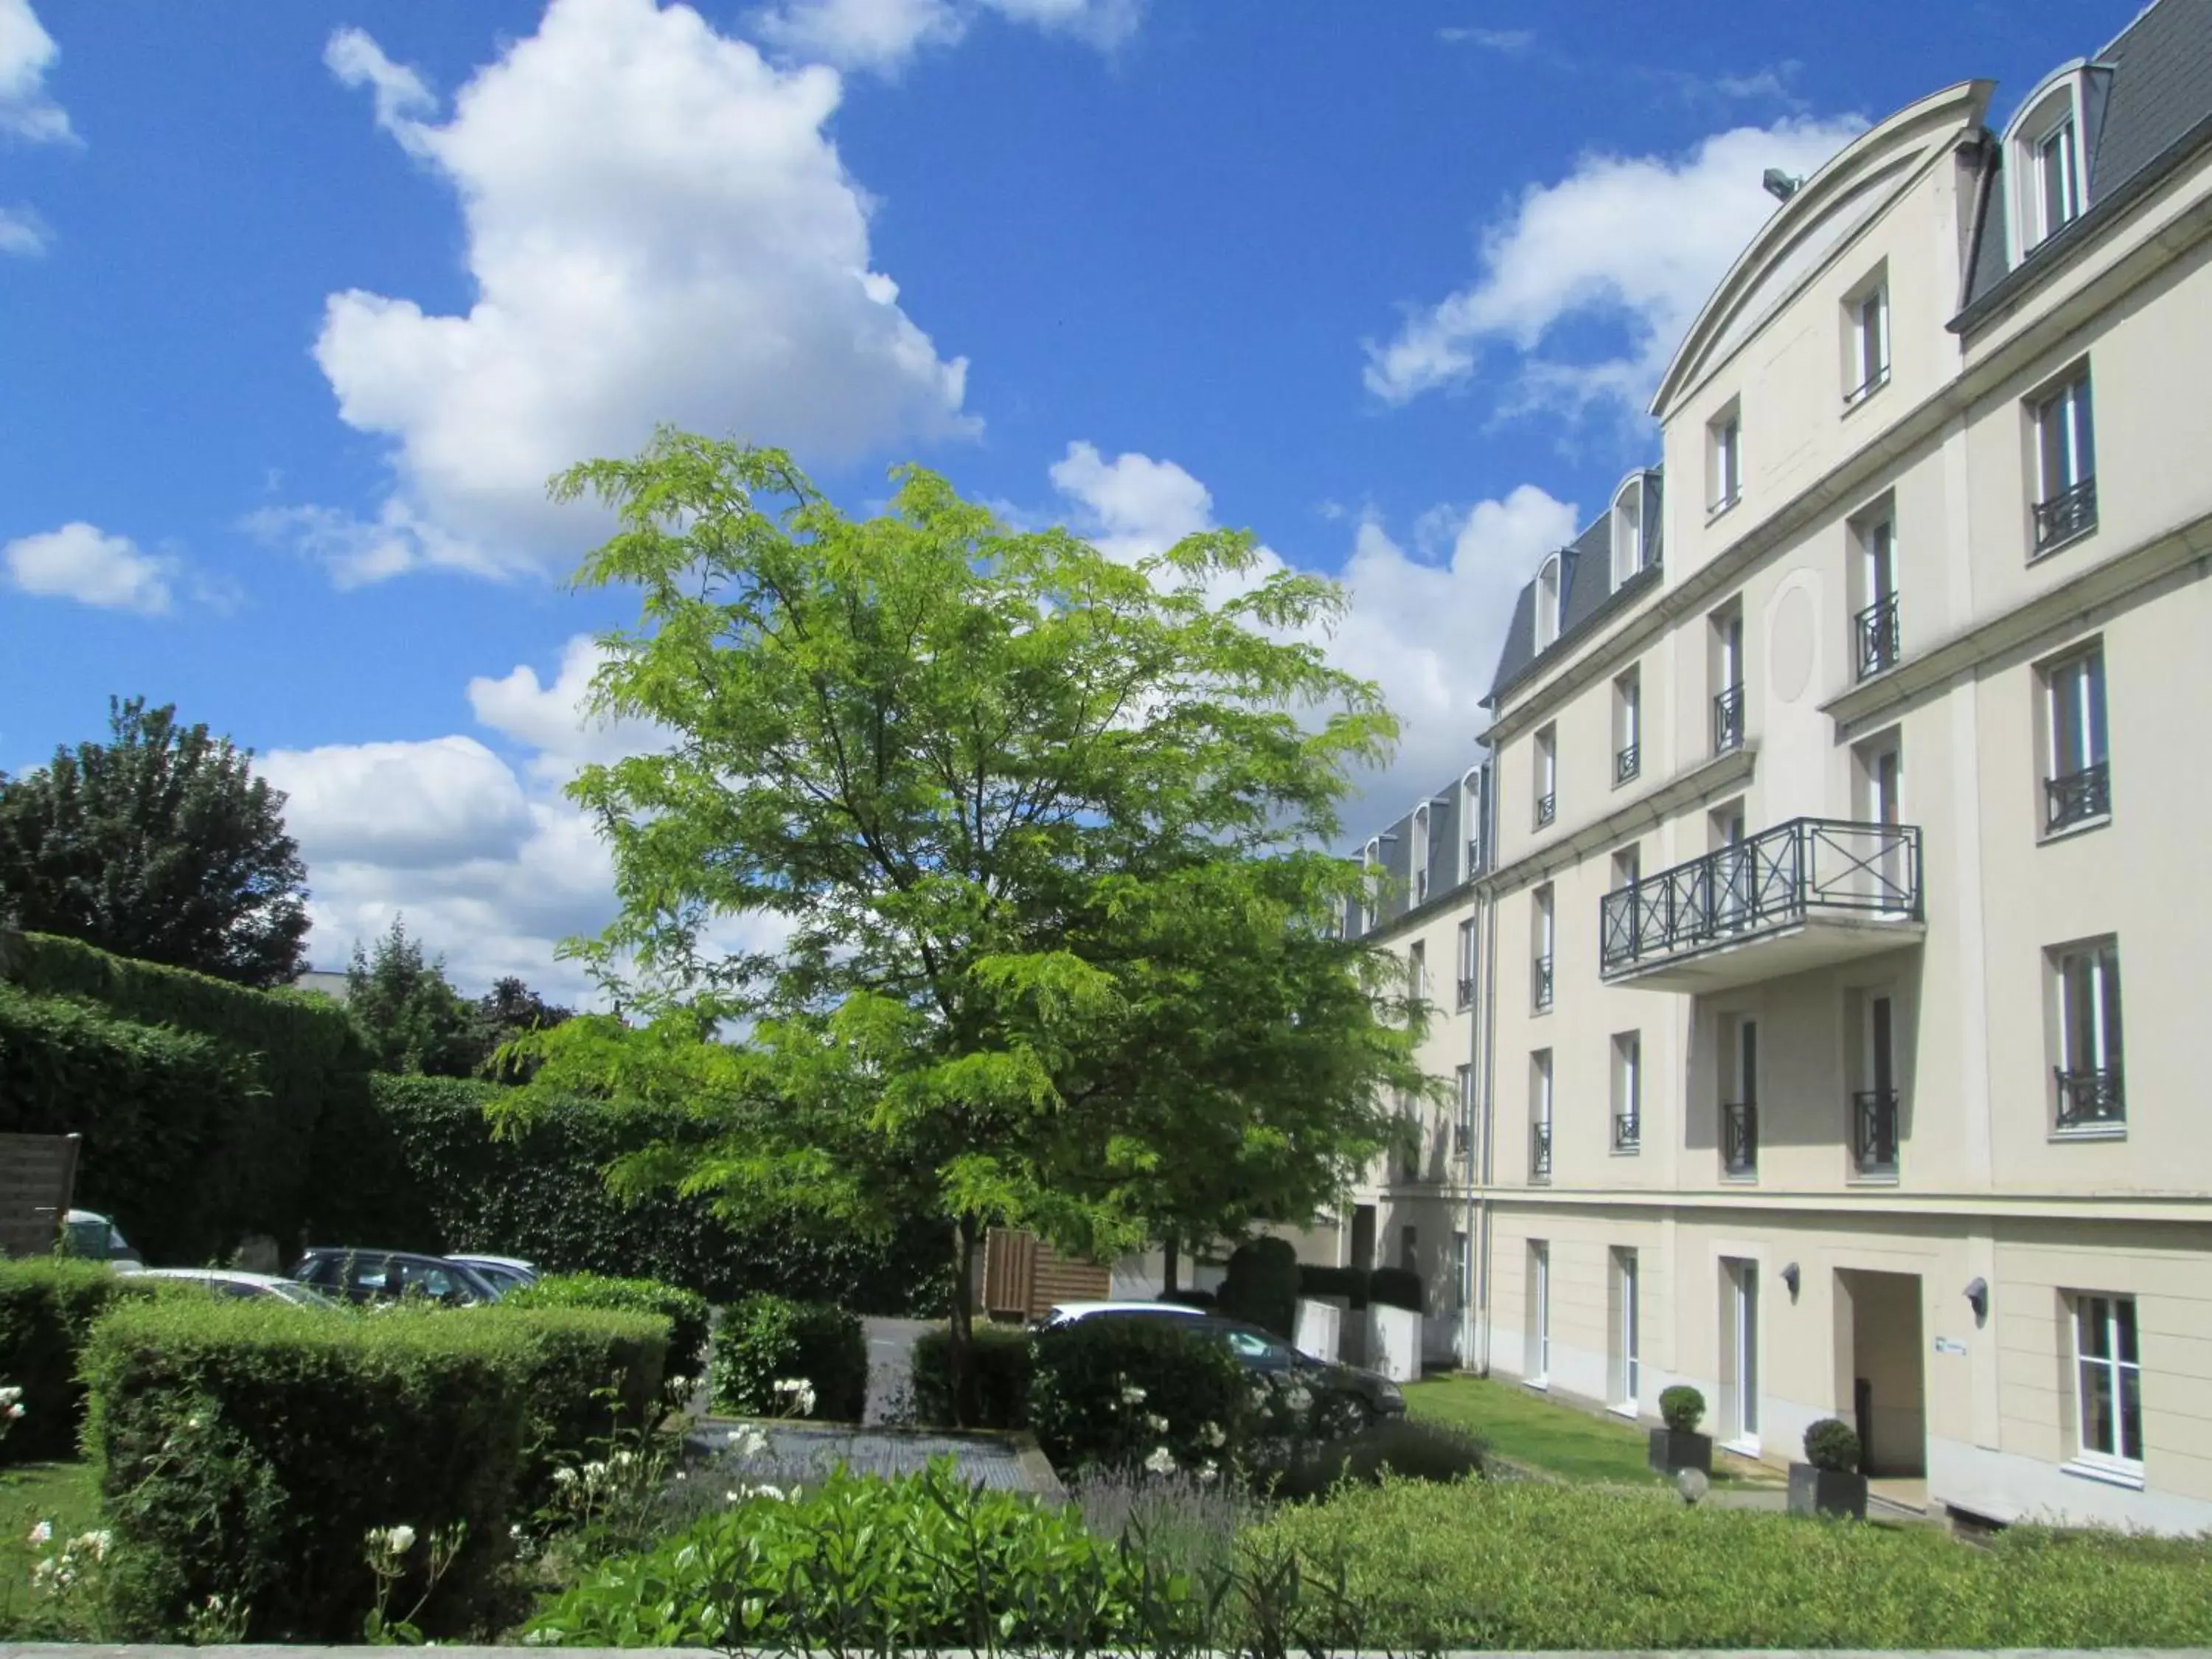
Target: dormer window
1420	855
1548	592
2047	151
1471	817
2058	180
1628	531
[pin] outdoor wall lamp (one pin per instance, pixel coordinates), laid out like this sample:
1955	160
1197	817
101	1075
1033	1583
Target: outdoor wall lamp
1789	1278
1978	1298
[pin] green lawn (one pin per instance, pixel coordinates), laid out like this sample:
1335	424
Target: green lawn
1523	1426
65	1495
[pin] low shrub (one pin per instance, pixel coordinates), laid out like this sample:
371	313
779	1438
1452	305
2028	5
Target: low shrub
1682	1408
47	1306
1528	1564
767	1341
1350	1283
1262	1287
584	1378
860	1565
1832	1444
686	1311
247	1450
1401	1448
1131	1392
1396	1287
1005	1362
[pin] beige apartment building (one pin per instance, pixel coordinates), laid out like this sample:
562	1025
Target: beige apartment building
1843	811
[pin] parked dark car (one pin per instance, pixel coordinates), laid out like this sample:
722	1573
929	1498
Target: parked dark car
1374	1395
358	1275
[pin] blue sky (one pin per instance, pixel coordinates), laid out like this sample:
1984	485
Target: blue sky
299	304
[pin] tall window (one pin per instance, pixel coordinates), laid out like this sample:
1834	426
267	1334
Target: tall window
1869	340
1417	969
1472	820
1877	629
2066	464
1741	1419
1728	677
1724	449
1539	1311
1628	531
1541	919
1627	1091
1550	591
1740	1095
1627	726
1540	1115
1463	1113
1463	1271
2077	781
1464	968
1628	1332
2057	181
1548	775
2091	1094
1419	853
1874	1106
2109	1373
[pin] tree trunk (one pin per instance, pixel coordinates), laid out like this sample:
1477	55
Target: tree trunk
960	1347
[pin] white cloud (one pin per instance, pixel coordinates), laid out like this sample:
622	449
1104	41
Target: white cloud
23	233
882	35
81	562
358	551
1511	42
26	52
658	229
411	805
1635	242
552	718
1426	626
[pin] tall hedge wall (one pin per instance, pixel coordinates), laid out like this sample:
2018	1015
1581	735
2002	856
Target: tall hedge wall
198	1100
419	1169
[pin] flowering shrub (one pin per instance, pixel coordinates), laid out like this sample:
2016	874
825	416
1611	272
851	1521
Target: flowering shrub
767	1346
1142	1392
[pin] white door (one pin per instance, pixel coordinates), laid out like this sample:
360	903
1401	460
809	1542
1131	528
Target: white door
1744	1288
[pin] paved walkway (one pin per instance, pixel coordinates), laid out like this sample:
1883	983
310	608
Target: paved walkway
890	1356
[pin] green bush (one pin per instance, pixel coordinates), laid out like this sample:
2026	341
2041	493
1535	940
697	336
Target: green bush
198	1100
1406	1448
47	1306
1682	1408
686	1311
582	1377
415	1165
1528	1564
248	1448
1396	1287
1126	1393
1261	1286
925	1563
768	1339
1832	1444
1004	1364
1350	1283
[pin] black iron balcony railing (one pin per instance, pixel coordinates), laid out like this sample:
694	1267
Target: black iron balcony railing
1728	719
1466	990
1547	808
1627	1131
2090	1097
1877	632
1868	387
1540	983
2070	513
1540	1152
2077	797
1775	880
1738	1137
1873	1131
1626	763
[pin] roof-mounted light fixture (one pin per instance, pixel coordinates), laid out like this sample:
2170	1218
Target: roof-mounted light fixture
1781	185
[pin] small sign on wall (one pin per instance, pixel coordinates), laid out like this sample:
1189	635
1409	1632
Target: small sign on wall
1949	1345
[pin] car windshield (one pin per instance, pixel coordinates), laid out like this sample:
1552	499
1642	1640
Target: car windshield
300	1295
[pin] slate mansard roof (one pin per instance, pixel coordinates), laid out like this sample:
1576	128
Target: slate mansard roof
1587	594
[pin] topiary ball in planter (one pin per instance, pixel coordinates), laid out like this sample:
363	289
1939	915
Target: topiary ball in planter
1828	1481
1682	1408
1679	1445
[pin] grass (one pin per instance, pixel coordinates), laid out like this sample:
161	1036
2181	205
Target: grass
1523	1426
67	1495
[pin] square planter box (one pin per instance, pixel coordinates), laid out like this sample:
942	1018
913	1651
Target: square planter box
1671	1452
1826	1492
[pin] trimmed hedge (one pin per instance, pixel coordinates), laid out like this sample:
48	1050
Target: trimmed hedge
416	1165
1262	1287
767	1340
1005	1360
686	1312
246	1447
1350	1283
1396	1287
47	1306
199	1101
582	1376
1114	1392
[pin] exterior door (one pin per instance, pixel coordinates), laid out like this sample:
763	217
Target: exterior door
1744	1288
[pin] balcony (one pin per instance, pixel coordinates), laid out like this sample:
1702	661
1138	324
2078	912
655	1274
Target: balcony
1809	893
1547	808
2070	513
1728	719
1627	1131
1540	983
1877	637
1873	1132
1739	1138
2091	1098
1540	1152
2077	798
1626	763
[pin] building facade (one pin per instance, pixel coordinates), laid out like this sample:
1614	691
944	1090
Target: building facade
1840	818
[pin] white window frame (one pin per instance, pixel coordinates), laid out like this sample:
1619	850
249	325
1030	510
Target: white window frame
2069	407
1869	326
2099	1312
1627	1091
2057	153
1627	721
2077	678
2088	992
1540	1294
1463	1112
1628	531
1418	855
1551	595
1464	967
1417	969
1540	1104
1547	744
1744	1313
1629	1334
1724	447
1471	820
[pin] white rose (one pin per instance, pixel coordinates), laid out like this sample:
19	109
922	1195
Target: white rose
402	1538
43	1532
9	1396
564	1476
1211	1435
1133	1395
1162	1461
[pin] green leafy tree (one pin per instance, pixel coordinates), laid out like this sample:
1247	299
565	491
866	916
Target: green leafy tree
510	1011
159	844
410	1017
1034	843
